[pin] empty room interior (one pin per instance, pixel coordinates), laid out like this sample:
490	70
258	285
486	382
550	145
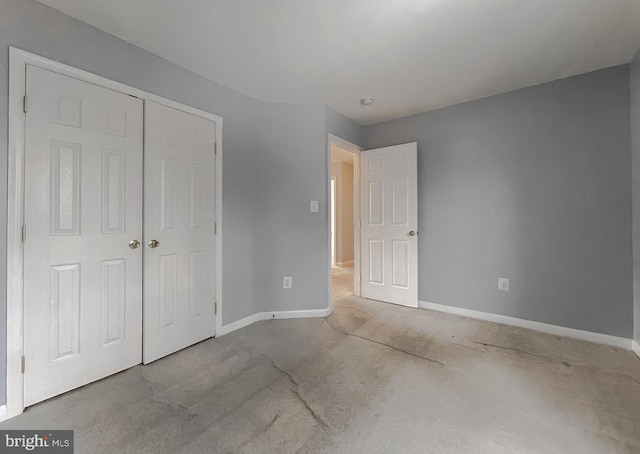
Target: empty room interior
338	226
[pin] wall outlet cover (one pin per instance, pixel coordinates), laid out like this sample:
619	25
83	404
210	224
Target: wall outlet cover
287	282
503	284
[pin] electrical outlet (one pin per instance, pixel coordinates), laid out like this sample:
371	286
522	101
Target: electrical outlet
287	282
313	206
503	284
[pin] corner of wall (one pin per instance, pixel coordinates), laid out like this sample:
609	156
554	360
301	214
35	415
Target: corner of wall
273	315
343	127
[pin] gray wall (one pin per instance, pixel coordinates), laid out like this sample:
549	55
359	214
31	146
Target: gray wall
533	185
635	160
39	29
273	163
343	127
290	170
292	240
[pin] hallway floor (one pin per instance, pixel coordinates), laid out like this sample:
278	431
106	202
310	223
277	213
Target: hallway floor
371	378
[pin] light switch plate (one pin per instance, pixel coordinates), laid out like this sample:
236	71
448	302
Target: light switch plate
313	206
287	282
503	284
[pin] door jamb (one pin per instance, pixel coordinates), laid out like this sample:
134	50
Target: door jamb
355	150
333	215
18	61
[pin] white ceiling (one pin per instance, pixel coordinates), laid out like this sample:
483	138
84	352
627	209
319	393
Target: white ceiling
410	55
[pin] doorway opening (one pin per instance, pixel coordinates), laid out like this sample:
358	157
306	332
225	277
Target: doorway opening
376	190
343	219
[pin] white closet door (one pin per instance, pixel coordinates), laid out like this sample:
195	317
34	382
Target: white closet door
389	242
83	205
179	216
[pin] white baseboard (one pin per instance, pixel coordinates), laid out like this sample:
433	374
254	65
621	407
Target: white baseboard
636	348
599	338
3	413
234	326
226	329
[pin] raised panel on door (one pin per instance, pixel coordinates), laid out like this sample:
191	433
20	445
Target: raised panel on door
179	273
376	261
65	188
83	204
400	264
65	310
376	203
168	194
390	220
196	281
168	283
114	300
114	191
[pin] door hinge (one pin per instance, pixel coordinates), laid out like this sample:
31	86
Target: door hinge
24	103
215	147
24	233
215	228
215	308
22	361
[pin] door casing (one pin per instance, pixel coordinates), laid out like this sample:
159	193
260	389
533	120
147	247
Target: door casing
18	60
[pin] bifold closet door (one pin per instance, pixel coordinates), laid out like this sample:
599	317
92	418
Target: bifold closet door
83	207
179	216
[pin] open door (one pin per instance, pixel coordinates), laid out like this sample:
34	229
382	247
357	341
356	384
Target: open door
389	224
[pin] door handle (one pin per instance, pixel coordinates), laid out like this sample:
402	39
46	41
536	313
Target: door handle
154	244
134	244
412	233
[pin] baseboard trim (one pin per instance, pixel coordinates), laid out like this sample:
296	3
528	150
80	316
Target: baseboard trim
234	326
3	413
636	348
599	338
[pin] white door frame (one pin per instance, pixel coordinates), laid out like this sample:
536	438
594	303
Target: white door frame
18	59
355	150
333	217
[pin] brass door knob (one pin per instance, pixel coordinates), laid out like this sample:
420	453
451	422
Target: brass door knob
412	233
154	244
134	244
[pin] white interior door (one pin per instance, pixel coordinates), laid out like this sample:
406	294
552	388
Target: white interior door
389	221
83	205
179	216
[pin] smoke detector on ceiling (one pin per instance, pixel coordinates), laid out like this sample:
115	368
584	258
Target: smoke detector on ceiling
366	101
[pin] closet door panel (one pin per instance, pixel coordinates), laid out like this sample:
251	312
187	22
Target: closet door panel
179	216
83	206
